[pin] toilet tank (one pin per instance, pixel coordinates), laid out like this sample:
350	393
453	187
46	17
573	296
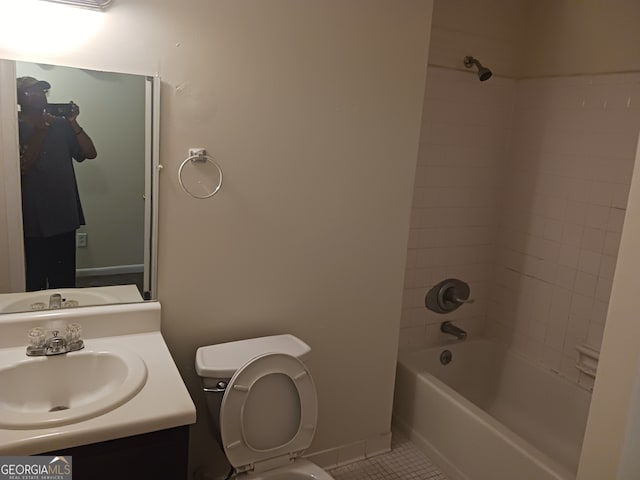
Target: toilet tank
220	361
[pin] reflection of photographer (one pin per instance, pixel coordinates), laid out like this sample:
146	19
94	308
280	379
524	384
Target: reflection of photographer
50	137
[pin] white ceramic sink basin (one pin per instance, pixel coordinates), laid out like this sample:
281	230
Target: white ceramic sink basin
42	392
70	297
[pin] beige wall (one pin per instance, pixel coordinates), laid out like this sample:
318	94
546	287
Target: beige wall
313	112
530	38
490	30
572	37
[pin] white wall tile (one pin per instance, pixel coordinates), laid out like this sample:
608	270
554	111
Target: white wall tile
575	212
620	196
585	284
569	256
572	234
597	216
593	239
569	175
616	220
589	262
599	312
526	204
565	277
594	335
460	164
607	267
603	289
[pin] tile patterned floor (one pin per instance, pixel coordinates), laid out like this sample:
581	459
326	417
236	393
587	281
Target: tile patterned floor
403	462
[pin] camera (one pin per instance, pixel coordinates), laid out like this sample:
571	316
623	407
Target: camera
59	109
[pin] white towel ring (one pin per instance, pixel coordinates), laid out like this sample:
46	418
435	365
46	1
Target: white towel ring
200	158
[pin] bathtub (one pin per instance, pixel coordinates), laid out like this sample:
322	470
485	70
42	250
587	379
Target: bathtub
490	414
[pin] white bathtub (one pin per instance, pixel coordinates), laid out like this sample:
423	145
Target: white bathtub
490	414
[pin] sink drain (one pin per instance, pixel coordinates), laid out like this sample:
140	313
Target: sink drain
58	408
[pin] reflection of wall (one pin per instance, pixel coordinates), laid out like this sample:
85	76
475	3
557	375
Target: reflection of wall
11	242
5	279
112	185
5	283
313	111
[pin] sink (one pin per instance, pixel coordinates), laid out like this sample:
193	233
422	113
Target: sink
71	297
43	392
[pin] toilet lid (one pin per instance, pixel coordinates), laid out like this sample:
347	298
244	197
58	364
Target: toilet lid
268	412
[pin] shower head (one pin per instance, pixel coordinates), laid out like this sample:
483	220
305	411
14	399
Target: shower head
483	72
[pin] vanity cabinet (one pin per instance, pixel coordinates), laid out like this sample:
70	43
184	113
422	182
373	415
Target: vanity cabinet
157	455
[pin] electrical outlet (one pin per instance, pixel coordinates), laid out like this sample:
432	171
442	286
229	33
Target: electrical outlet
81	240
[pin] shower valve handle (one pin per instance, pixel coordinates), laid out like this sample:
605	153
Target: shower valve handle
448	295
455	298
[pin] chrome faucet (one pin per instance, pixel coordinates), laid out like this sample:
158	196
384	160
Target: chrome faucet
451	329
56	344
55	301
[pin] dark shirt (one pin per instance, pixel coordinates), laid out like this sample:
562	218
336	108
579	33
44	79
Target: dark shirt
50	198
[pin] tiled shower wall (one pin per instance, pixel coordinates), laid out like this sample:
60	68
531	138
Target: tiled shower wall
461	160
521	190
561	216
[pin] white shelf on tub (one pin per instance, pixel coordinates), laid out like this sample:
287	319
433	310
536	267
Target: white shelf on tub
588	358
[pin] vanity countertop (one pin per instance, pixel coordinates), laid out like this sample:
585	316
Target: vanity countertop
162	403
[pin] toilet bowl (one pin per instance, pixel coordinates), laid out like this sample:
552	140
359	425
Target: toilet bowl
263	406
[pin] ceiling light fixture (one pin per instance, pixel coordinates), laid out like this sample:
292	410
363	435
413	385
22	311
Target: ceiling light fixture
93	4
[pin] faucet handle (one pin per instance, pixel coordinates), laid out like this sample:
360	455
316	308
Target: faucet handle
74	332
74	337
455	298
55	301
37	337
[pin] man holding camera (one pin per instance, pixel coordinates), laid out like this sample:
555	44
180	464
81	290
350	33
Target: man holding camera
51	209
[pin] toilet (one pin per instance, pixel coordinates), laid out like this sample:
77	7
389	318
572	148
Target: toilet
263	406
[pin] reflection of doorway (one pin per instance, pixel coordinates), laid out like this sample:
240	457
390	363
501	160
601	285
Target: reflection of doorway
11	246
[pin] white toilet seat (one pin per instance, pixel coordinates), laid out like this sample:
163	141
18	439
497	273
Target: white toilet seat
268	413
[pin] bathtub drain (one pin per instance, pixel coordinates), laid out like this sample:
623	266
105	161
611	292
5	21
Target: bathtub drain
445	357
59	408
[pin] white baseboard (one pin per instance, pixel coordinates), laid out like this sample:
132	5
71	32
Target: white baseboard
352	452
112	270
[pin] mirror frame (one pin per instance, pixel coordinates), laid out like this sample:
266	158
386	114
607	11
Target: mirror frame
9	151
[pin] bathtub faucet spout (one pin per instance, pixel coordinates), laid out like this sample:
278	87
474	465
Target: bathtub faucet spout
451	329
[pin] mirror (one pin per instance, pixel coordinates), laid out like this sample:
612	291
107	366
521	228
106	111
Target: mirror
116	248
